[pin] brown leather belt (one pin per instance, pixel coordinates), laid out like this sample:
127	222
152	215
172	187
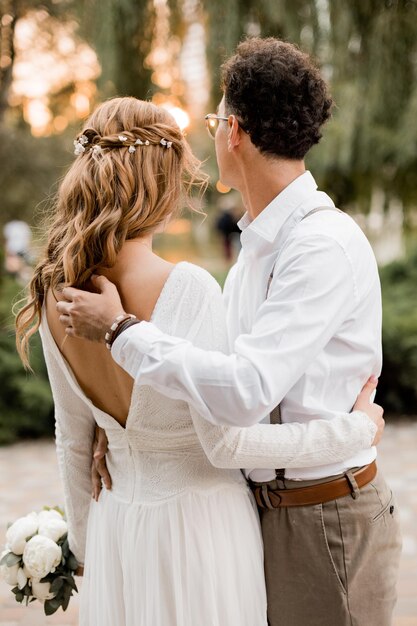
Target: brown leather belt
268	498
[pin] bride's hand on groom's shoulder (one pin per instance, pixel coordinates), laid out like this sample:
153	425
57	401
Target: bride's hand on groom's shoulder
375	412
89	315
99	469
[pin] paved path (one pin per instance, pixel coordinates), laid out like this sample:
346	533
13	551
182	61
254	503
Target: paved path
28	480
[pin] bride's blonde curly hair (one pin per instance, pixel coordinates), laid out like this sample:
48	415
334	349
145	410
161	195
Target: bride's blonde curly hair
123	184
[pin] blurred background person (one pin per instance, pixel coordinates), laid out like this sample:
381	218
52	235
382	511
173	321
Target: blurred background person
227	227
18	238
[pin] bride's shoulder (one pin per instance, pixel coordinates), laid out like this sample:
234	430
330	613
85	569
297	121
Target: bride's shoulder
190	294
197	277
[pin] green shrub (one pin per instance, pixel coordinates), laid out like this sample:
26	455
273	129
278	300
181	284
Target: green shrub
397	390
26	406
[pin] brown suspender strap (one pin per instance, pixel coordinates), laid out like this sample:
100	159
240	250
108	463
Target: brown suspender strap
275	417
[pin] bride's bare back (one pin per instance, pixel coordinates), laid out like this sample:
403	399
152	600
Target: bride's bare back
139	276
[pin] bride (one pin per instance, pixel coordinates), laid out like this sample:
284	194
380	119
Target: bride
176	541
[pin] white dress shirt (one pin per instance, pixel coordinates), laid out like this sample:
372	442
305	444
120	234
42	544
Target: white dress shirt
310	345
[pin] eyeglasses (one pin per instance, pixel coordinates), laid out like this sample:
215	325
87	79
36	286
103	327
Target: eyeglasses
212	123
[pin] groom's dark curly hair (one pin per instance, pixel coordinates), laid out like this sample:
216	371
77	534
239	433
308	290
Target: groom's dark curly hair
278	96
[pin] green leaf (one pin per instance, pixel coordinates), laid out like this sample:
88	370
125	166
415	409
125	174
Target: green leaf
11	559
56	585
49	578
71	582
54	508
27	590
72	562
19	596
65	547
50	606
60	595
67	596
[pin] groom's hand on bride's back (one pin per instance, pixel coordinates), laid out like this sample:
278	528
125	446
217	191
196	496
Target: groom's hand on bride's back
374	411
87	314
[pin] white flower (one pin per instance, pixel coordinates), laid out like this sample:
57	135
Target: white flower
139	142
97	149
83	140
132	149
169	144
163	142
9	574
122	138
47	514
79	149
53	528
41	555
21	578
18	532
146	143
41	591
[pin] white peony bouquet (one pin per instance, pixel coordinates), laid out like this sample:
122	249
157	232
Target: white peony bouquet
37	560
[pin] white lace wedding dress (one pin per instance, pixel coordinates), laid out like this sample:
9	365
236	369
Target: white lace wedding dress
176	542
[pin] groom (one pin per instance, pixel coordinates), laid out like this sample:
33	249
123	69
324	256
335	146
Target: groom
304	319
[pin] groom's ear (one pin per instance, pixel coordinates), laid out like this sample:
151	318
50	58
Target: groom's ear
233	133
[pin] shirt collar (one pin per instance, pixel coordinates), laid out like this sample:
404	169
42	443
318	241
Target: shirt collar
269	222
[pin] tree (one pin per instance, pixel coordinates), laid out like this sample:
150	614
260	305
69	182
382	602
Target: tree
229	22
371	55
11	11
8	19
121	33
368	51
